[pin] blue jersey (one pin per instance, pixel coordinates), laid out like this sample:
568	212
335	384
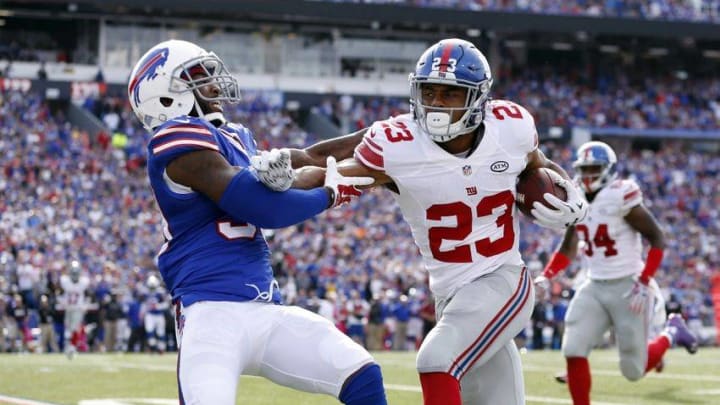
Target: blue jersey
208	256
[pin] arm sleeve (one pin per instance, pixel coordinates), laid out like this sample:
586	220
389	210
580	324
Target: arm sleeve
517	126
370	151
632	196
247	199
558	262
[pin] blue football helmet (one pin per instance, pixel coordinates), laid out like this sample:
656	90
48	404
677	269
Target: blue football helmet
595	166
453	62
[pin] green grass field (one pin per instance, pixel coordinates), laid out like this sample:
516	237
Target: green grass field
115	379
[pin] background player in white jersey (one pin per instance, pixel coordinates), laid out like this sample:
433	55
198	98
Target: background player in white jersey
216	262
617	291
154	307
74	301
454	161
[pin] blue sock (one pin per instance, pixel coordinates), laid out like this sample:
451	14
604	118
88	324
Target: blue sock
364	388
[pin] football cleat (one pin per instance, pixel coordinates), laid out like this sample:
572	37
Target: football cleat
561	377
680	333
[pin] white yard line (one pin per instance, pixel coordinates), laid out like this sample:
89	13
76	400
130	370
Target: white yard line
530	368
529	398
553	400
20	401
660	376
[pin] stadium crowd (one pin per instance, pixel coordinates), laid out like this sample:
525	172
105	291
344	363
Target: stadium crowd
69	196
603	99
684	10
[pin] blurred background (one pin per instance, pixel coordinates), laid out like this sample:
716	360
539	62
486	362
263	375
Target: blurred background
641	75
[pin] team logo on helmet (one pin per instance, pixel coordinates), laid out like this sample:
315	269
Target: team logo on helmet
148	70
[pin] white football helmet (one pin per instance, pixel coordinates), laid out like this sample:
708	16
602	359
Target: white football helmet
161	85
75	270
153	282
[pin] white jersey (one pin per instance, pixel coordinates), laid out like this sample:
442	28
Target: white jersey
613	248
74	292
461	210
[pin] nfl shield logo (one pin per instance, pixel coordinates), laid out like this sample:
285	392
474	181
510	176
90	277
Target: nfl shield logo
467	170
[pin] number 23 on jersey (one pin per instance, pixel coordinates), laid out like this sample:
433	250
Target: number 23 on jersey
464	216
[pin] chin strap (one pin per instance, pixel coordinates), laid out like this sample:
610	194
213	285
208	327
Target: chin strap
216	118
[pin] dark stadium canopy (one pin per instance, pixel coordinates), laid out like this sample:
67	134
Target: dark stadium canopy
403	20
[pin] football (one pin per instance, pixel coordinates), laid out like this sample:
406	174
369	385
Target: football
532	186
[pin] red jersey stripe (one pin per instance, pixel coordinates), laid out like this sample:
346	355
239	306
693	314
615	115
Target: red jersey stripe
631	195
369	157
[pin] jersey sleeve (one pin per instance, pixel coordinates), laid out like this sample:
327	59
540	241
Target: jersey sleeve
518	126
178	138
631	196
370	151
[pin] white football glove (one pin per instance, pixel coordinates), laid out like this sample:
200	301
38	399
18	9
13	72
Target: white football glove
566	213
343	188
542	286
639	296
274	168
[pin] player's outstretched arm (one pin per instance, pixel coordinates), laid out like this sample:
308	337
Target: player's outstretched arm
275	167
240	193
340	148
312	176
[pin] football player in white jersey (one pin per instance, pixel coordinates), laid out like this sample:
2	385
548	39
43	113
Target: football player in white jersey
618	290
154	307
74	285
454	161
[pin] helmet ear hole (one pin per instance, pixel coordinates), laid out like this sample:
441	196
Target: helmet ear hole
166	101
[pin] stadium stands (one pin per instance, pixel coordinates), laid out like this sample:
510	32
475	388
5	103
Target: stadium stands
71	196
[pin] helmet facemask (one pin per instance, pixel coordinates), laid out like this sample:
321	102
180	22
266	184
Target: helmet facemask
436	121
204	71
212	71
593	177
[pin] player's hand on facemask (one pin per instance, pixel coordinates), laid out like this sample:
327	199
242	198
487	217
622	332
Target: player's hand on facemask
565	213
639	296
274	168
343	188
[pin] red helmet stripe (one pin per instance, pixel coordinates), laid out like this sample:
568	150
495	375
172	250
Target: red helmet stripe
142	70
447	50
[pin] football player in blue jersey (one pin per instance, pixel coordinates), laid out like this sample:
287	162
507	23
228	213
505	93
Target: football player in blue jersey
215	261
